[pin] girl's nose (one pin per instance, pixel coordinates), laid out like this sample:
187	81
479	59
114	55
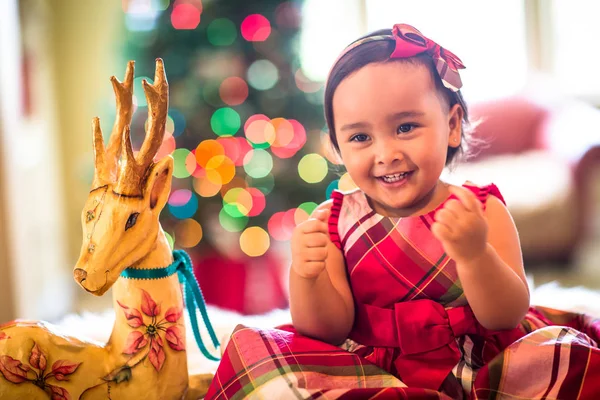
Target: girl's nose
388	152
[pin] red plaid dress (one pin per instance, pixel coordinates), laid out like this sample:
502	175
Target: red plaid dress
415	335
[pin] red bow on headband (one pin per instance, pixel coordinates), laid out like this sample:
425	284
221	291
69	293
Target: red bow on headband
410	42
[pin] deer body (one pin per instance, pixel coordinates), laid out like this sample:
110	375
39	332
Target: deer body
145	357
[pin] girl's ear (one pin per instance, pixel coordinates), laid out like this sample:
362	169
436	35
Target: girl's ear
158	184
455	118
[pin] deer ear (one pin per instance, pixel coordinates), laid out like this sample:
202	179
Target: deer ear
158	184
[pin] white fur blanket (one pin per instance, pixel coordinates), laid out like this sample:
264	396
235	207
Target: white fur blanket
97	326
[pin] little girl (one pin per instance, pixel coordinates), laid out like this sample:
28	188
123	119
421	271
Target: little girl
408	287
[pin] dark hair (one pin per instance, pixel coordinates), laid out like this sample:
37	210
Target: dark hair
378	51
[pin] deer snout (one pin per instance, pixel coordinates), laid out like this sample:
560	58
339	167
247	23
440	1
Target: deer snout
79	275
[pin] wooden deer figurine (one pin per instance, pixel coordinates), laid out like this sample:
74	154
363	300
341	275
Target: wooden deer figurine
124	247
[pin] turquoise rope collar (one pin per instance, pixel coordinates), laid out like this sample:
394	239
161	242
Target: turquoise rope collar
182	264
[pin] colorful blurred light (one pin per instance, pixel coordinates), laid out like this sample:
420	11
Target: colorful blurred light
185	210
254	241
167	147
284	132
308	207
256	28
225	121
262	75
312	168
205	187
221	32
300	216
346	183
220	170
179	198
233	91
191	165
331	187
188	233
297	142
208	149
237	202
258	163
305	84
260	132
276	227
185	16
178	122
264	184
236	182
180	167
232	224
258	201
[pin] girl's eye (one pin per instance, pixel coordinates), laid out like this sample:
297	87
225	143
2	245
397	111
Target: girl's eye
361	137
405	128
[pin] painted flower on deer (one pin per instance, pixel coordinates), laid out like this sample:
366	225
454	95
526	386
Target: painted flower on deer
154	331
16	371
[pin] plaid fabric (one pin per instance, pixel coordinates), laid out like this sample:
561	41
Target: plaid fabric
396	262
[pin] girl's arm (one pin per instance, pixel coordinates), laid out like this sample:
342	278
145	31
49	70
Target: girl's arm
322	306
494	283
486	248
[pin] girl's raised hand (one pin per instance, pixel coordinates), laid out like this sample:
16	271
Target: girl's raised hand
309	244
461	226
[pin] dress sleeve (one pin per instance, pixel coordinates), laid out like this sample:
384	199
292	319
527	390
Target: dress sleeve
483	192
334	216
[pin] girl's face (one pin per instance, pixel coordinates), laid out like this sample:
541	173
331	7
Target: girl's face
393	132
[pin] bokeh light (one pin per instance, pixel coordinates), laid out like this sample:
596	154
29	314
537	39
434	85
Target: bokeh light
233	91
185	16
220	170
208	149
221	32
284	132
205	187
262	75
178	122
167	147
305	84
312	168
258	163
254	241
264	184
180	167
259	201
225	121
188	233
237	202
300	215
331	187
276	227
232	224
346	183
308	207
180	209
297	142
260	132
255	28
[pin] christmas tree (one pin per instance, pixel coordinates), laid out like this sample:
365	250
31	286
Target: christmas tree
245	125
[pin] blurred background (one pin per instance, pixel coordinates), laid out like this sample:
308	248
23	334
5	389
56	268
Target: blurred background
247	132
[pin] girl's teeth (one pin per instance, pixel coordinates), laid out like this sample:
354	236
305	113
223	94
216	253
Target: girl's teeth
394	178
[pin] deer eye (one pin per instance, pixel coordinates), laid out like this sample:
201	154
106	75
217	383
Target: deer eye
131	220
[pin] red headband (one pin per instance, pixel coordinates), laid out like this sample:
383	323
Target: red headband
410	42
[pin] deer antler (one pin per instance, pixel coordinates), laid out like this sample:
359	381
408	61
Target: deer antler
134	169
106	161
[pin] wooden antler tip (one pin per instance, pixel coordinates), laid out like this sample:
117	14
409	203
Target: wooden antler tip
95	122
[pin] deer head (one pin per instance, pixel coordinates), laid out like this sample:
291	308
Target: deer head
120	217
